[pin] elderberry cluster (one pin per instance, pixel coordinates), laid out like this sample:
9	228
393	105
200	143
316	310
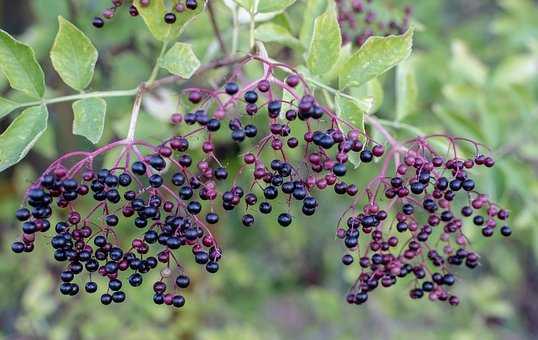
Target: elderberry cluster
293	147
87	239
360	20
178	7
419	228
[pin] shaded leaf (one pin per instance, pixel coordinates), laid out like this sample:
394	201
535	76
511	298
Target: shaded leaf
17	140
89	120
6	106
73	55
314	8
350	111
375	57
180	60
372	90
20	66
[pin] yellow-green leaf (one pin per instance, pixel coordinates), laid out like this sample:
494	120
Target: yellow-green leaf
153	16
326	42
180	60
21	135
19	64
73	55
89	120
375	57
314	8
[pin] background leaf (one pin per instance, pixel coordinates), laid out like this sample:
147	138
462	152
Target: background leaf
19	65
20	136
89	118
180	60
326	42
73	55
375	57
373	90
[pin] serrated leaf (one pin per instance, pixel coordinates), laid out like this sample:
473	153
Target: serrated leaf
271	32
406	89
326	42
180	60
314	8
153	15
21	135
73	55
89	118
6	106
372	90
265	6
19	64
375	57
348	110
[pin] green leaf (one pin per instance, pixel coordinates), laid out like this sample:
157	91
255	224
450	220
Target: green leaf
314	8
265	6
326	42
6	106
372	90
249	5
73	55
348	110
180	60
19	65
89	118
345	54
153	16
21	135
406	89
375	57
270	32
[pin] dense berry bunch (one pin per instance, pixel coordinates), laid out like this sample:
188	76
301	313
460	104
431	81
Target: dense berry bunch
89	204
417	227
360	19
177	7
292	147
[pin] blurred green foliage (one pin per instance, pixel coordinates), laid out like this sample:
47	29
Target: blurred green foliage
476	70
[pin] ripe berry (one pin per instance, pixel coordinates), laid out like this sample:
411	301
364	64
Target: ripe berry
284	219
170	18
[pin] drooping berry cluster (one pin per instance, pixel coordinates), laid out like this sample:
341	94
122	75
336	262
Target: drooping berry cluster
418	228
359	20
292	148
178	7
89	204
